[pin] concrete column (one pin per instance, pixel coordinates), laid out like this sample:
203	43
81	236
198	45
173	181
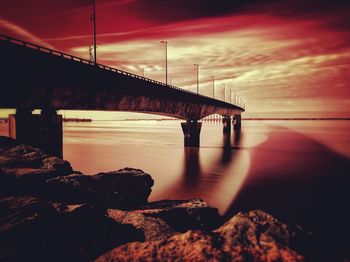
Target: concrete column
226	121
237	122
23	126
51	138
42	131
191	130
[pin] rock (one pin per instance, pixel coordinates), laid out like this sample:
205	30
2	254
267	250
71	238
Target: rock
32	229
152	228
77	189
183	215
132	186
161	220
26	225
252	236
258	235
126	188
89	230
23	168
189	246
7	142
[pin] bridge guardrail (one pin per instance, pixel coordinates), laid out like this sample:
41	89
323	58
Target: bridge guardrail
85	61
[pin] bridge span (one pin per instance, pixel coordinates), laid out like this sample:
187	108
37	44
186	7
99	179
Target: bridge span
35	77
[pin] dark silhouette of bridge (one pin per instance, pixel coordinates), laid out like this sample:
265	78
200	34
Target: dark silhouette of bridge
36	77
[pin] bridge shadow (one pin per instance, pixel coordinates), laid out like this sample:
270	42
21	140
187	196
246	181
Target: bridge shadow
306	183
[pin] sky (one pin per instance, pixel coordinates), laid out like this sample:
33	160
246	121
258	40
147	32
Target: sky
284	58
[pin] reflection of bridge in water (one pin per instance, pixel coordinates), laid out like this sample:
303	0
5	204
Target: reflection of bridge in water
192	171
214	173
34	77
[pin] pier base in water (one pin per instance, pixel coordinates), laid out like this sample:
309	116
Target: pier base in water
237	122
226	121
191	130
43	131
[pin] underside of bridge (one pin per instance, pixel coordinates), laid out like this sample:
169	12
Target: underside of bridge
33	77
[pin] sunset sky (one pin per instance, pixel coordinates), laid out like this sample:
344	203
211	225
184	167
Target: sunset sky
284	58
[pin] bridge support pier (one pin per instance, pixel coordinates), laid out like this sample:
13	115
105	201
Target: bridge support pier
51	132
237	122
226	121
43	131
191	130
22	126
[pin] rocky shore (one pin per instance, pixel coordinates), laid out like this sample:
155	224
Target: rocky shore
49	212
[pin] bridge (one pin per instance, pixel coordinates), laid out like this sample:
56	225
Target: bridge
36	77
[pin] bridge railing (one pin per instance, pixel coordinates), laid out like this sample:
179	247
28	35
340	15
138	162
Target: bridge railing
85	61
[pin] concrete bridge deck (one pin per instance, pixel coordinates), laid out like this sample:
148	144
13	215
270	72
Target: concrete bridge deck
35	77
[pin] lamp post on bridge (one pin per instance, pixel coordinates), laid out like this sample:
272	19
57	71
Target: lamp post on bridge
213	78
143	71
224	92
197	66
93	18
166	61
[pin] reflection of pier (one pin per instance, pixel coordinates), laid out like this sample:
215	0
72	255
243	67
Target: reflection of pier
229	143
192	167
193	174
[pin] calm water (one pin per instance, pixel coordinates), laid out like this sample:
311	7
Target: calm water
297	170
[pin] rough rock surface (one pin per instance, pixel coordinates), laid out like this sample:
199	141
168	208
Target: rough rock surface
252	236
24	168
152	228
183	215
125	188
35	230
161	220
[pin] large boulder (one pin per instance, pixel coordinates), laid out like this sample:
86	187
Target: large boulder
89	230
161	220
32	229
6	142
27	228
183	215
126	188
152	228
23	168
252	236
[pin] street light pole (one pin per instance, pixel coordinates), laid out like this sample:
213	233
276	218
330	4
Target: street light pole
213	78
143	71
166	61
197	65
224	92
94	21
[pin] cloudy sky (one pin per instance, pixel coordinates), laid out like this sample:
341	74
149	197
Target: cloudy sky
284	58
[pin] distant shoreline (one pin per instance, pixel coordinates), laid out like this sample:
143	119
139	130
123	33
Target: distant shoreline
77	120
297	119
5	120
248	118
